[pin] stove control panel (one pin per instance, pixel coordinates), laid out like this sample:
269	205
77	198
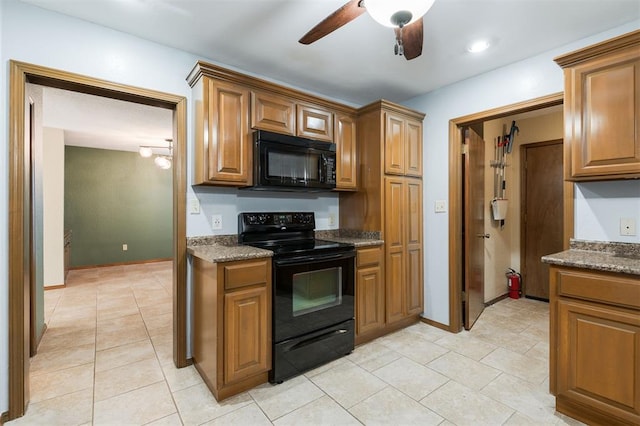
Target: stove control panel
278	220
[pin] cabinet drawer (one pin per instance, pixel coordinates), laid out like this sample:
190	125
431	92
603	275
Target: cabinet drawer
245	273
600	286
368	256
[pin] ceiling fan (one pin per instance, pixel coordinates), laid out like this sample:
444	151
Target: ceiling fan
403	15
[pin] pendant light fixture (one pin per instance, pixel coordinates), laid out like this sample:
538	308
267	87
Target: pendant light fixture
162	161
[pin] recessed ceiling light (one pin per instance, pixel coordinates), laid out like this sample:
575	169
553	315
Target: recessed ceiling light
478	46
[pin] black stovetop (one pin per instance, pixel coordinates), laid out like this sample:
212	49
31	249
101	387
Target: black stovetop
299	247
285	234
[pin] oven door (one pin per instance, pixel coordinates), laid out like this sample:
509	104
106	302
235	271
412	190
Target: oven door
311	293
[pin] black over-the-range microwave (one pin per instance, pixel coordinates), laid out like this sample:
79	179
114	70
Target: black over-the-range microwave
291	163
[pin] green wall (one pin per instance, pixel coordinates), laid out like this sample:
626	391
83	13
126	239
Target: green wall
113	198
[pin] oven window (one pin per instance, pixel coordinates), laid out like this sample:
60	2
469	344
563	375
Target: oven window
294	166
316	290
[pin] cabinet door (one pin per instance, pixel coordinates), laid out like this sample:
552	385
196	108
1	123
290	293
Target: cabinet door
369	290
598	353
346	152
603	110
414	278
413	148
394	236
314	122
246	333
394	140
230	142
273	113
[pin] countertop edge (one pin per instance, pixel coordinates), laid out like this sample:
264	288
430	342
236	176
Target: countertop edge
598	261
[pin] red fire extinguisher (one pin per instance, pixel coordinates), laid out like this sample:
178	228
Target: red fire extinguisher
514	281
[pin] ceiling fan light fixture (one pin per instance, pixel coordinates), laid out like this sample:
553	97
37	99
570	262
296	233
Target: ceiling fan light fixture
397	13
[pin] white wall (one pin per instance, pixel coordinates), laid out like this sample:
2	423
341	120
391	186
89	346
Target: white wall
53	206
599	207
521	81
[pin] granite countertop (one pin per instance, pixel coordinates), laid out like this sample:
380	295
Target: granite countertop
603	256
357	238
225	248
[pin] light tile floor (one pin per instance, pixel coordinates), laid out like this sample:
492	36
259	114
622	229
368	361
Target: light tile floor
106	359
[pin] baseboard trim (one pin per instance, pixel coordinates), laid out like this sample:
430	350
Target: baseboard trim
4	417
54	287
133	262
496	300
437	325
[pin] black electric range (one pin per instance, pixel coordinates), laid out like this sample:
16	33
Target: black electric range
313	283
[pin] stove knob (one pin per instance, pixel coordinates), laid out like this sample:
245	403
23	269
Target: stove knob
262	219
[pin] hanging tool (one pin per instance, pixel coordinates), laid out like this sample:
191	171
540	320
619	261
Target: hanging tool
512	135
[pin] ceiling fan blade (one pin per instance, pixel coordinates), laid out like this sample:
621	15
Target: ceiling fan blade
340	17
412	38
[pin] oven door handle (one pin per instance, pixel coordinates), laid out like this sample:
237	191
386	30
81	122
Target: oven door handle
311	259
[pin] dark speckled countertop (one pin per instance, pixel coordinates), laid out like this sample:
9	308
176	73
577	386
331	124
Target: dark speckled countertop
225	248
603	256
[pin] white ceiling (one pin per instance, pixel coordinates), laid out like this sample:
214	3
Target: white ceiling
355	63
98	122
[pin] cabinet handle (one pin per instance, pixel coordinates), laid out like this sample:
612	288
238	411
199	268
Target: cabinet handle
483	235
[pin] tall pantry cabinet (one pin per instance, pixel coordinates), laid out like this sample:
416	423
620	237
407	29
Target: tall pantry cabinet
389	200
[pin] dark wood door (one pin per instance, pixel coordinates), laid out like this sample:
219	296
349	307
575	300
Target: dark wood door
541	214
474	206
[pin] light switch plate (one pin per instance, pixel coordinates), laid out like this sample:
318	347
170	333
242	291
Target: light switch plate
627	226
194	206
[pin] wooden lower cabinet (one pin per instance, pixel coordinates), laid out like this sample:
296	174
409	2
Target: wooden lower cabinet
232	324
595	345
403	240
370	293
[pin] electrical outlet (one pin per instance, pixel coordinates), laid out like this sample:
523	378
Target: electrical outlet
332	219
194	206
627	226
440	206
125	247
216	222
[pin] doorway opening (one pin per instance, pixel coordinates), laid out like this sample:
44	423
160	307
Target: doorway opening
20	211
457	253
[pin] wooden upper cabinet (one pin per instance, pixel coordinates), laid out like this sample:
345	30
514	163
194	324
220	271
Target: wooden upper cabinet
228	107
223	139
602	110
346	152
413	148
273	113
394	156
403	146
314	122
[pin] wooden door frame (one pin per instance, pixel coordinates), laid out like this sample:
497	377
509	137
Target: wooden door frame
455	193
20	74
